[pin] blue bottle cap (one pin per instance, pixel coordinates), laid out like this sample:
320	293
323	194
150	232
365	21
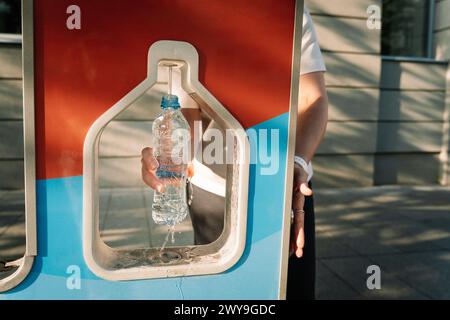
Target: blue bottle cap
170	101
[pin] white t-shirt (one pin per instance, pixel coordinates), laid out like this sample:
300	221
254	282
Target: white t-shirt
312	59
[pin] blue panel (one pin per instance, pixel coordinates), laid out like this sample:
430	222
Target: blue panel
256	276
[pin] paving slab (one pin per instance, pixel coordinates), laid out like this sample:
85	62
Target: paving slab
404	230
353	271
330	287
407	236
419	272
332	248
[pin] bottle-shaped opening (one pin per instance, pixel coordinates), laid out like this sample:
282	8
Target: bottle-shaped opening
196	223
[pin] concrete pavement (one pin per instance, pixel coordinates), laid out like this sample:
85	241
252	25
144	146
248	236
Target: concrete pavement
403	230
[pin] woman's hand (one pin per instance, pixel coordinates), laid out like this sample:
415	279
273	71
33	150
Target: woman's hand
150	165
301	190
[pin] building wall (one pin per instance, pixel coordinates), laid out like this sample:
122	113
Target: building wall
386	117
11	129
442	29
352	56
124	138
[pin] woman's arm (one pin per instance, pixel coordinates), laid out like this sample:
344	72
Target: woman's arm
312	115
311	128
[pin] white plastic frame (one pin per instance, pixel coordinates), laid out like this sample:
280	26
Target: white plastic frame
229	249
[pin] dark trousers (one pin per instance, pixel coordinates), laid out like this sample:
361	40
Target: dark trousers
207	220
302	272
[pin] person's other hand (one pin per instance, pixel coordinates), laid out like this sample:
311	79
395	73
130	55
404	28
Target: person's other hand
301	189
150	165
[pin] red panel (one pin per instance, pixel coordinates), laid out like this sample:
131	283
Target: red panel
245	49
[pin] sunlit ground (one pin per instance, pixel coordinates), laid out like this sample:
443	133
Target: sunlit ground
403	230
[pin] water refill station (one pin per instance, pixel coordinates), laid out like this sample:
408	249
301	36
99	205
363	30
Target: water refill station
94	75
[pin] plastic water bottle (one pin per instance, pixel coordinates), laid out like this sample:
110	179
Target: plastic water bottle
171	131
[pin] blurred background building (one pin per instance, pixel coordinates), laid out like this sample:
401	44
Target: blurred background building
389	118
